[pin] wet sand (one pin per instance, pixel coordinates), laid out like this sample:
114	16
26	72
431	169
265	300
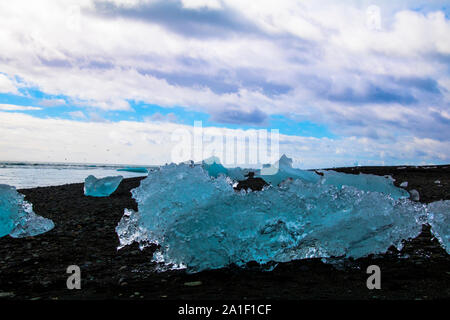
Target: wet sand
35	267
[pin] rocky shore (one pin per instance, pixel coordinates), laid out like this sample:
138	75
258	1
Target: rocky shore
35	268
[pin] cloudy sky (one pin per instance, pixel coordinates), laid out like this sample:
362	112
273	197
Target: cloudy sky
344	82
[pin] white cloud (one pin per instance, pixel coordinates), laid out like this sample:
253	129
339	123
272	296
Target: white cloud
200	4
158	117
310	60
7	85
151	143
13	107
77	115
52	102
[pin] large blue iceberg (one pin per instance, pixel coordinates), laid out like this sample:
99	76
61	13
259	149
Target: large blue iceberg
200	222
101	187
17	217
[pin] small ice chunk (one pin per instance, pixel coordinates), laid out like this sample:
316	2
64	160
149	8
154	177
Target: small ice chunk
134	169
213	166
404	184
439	219
101	187
17	217
283	170
414	195
30	224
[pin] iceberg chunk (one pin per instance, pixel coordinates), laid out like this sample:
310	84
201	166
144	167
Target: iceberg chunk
101	187
439	220
202	223
283	170
30	224
414	195
366	182
237	173
10	208
214	167
17	217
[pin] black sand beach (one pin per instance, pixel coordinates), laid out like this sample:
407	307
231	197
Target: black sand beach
35	267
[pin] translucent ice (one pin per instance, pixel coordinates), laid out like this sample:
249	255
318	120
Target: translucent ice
237	173
31	224
214	167
101	187
282	170
439	219
10	203
415	196
17	217
366	182
134	169
202	223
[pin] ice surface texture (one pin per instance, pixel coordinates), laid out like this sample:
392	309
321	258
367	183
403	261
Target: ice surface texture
200	222
101	187
214	168
17	217
439	219
366	182
282	170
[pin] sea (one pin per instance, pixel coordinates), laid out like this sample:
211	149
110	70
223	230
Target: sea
24	175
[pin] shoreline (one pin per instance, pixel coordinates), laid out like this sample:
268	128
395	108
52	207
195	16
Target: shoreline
84	235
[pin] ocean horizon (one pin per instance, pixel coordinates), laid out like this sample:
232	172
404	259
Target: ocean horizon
25	175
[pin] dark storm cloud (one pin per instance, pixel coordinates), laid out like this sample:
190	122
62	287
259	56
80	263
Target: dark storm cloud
235	116
379	90
422	124
375	94
424	84
202	22
223	81
57	63
356	89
